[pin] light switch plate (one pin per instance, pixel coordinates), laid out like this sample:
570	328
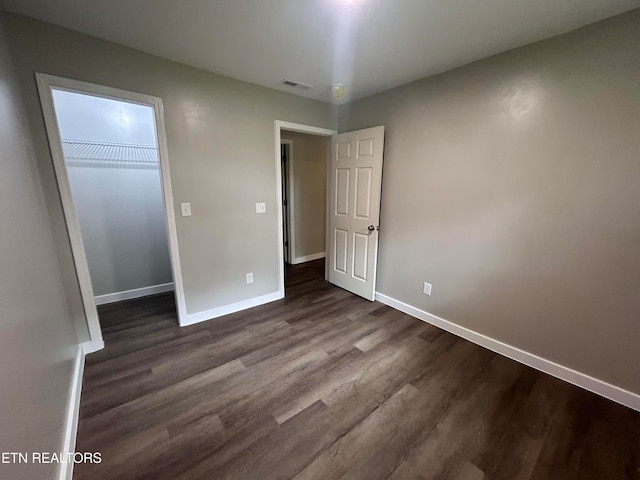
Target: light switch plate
426	288
261	207
185	208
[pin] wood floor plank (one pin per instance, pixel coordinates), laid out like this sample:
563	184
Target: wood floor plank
458	427
363	453
326	385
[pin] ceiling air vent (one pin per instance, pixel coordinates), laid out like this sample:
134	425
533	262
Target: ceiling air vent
300	85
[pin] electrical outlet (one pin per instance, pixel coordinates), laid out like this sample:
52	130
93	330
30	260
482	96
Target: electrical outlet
261	207
426	288
249	278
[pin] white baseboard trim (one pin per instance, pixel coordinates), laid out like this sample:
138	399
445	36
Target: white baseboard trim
90	346
599	387
308	258
73	410
231	308
135	293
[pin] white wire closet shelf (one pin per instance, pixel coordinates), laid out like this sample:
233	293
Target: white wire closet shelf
101	154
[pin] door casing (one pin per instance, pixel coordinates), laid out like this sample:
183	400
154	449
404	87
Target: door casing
46	83
288	187
280	125
297	127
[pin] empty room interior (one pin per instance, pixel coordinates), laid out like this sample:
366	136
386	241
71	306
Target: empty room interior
330	239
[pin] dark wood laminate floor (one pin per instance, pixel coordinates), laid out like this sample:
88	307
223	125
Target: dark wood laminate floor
326	385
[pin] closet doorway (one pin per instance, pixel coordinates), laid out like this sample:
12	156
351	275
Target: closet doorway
111	165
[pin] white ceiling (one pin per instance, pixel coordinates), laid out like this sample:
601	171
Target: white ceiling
367	45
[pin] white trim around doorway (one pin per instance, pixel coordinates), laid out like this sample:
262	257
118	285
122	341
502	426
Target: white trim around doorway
291	248
45	85
294	127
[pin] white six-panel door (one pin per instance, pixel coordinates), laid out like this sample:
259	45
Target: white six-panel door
354	209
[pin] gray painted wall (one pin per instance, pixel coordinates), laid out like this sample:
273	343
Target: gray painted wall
309	193
120	207
512	185
220	135
37	337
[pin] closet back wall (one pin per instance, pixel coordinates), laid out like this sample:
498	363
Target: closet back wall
118	203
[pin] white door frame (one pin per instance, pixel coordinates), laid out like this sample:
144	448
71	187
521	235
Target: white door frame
294	127
45	84
290	206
